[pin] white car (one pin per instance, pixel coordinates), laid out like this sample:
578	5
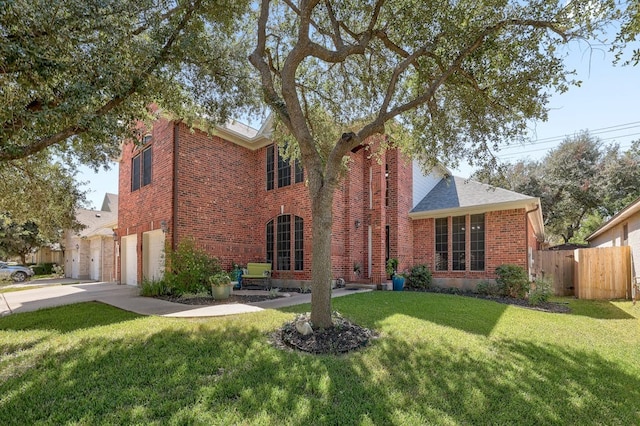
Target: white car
16	273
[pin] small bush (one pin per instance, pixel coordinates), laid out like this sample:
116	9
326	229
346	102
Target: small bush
58	270
191	268
43	268
541	292
420	277
514	280
152	288
38	270
489	288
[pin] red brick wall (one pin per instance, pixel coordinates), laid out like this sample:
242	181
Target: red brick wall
144	209
216	197
400	204
506	239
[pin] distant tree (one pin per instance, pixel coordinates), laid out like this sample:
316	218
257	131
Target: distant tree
580	184
39	190
18	239
457	75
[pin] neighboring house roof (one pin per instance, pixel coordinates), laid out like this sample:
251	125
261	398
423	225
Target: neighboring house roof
110	203
622	216
99	222
454	195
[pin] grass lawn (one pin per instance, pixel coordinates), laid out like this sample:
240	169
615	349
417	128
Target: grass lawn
441	359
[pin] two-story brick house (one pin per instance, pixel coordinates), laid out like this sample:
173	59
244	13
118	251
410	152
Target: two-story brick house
234	194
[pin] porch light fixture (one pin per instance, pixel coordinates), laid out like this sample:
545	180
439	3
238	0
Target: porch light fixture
164	227
77	246
115	236
357	224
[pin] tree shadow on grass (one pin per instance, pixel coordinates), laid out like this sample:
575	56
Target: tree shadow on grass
67	318
476	316
598	309
223	372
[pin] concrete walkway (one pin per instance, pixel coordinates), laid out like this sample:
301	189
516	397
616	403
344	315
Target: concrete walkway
65	292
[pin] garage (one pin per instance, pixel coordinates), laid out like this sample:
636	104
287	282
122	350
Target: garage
96	258
153	255
129	259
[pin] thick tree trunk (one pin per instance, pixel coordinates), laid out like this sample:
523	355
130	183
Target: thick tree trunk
321	274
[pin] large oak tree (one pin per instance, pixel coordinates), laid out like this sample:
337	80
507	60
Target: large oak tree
460	77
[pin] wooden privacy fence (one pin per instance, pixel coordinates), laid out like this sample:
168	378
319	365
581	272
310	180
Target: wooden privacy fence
557	267
592	273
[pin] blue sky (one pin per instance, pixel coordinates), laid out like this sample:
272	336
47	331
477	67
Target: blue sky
606	104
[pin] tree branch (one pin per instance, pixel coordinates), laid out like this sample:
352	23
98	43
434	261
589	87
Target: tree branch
14	152
456	64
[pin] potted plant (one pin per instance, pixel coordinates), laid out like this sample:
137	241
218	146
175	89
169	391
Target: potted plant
220	285
392	266
398	282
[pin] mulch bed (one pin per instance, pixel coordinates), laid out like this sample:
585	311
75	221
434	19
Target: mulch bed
343	337
234	298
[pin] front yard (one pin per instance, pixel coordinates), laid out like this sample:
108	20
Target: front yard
441	359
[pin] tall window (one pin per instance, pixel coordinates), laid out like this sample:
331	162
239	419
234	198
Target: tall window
442	241
386	185
465	241
280	245
458	243
299	244
299	171
270	241
477	242
141	169
282	173
283	245
270	167
387	243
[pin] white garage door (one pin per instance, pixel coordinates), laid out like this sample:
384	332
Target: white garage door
75	264
129	259
95	264
153	254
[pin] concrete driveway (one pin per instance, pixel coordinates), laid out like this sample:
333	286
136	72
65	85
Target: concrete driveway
65	292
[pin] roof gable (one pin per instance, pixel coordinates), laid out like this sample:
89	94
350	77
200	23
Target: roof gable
455	192
623	215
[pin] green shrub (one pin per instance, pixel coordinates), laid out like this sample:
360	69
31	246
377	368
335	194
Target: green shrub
38	269
191	268
514	280
419	277
151	288
489	288
43	268
392	266
541	292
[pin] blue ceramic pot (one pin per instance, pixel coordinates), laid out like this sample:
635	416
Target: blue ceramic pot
398	283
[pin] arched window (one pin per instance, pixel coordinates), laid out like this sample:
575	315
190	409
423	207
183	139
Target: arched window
285	243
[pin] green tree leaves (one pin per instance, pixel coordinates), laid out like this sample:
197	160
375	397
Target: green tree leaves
581	183
76	74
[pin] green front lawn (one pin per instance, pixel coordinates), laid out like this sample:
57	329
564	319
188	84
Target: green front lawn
441	359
